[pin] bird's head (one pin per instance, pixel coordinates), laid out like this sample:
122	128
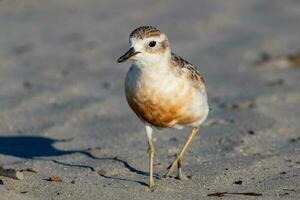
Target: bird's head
148	46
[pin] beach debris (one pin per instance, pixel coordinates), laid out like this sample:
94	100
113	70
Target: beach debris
222	194
279	62
294	140
239	182
93	149
31	169
11	173
65	140
291	190
54	179
294	59
283	130
283	194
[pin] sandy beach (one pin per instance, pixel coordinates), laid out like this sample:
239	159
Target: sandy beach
63	111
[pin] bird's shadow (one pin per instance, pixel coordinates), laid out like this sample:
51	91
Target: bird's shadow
39	148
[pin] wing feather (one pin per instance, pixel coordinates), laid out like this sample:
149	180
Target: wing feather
188	70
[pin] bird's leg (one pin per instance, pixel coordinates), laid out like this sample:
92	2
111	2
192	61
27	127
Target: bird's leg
151	156
180	175
181	154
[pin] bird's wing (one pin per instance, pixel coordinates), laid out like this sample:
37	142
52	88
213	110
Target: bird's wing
188	70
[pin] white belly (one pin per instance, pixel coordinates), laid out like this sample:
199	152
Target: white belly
163	99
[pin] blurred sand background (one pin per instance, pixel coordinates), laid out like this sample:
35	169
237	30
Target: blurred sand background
63	110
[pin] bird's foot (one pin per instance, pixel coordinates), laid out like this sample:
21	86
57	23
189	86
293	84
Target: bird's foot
181	176
151	183
171	169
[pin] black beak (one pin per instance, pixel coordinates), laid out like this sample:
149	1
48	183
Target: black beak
131	52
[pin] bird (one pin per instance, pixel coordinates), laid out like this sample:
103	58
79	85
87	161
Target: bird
164	91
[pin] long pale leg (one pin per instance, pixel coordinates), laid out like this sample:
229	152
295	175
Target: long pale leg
151	155
181	154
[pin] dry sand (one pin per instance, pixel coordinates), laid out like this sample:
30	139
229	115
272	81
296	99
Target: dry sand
63	109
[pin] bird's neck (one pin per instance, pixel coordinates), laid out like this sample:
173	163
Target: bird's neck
160	63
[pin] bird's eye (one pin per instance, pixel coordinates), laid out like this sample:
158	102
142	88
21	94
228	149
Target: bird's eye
152	44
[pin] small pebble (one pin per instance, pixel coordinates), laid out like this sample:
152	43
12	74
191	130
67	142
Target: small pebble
251	105
102	172
27	84
106	85
293	140
251	132
92	149
173	139
238	182
19	50
279	81
65	72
